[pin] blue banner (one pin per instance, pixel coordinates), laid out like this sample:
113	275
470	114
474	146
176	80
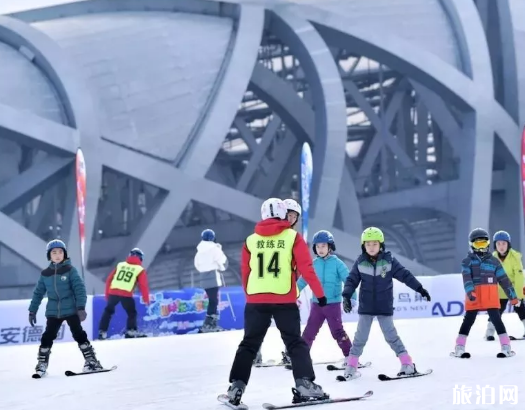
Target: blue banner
306	183
175	312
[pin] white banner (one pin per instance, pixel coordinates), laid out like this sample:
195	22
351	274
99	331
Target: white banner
446	291
15	328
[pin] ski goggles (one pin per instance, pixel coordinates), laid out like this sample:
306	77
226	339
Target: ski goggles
481	244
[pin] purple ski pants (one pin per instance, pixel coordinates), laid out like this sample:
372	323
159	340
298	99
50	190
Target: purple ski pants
332	314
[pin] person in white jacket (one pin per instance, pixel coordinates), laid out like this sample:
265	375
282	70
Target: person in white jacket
209	261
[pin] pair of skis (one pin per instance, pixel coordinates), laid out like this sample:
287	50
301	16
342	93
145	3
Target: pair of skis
381	377
466	355
492	338
69	373
223	398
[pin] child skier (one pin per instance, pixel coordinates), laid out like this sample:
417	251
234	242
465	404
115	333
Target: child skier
293	213
375	270
66	302
481	274
513	266
332	273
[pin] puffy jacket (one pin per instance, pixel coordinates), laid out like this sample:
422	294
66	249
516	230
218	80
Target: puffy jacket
376	294
302	262
332	272
66	292
142	281
481	275
210	257
513	267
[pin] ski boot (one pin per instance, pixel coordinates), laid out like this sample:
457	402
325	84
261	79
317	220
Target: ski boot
43	360
286	359
506	351
91	363
210	324
407	367
258	359
489	334
306	391
102	335
351	365
235	392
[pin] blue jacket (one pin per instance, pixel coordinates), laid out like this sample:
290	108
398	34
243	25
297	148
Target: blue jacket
332	273
376	295
65	290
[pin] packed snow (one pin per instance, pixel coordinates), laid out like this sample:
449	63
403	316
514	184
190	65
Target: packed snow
188	372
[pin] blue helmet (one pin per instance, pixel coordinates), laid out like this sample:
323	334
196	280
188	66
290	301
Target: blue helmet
208	235
323	237
56	244
138	253
501	236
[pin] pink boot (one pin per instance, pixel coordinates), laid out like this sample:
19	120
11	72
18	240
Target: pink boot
407	367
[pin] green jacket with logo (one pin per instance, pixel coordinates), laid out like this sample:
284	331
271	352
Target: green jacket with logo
65	291
514	269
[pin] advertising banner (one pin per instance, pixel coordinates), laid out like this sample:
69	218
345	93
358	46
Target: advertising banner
523	169
15	328
306	183
81	203
175	312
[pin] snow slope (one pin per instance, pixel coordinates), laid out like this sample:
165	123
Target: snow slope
187	372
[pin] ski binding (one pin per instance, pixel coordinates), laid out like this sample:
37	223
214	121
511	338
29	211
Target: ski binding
332	368
269	406
70	373
385	378
39	375
224	399
356	375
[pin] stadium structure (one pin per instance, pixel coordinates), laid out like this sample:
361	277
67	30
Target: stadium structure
191	112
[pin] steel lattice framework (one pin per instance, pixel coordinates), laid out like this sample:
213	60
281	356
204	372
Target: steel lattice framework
311	35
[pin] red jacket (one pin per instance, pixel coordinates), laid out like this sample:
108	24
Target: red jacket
302	262
142	281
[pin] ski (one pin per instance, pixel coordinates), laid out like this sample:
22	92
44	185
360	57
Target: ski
269	406
504	356
69	373
385	378
340	378
332	368
39	375
492	338
516	338
464	355
224	399
269	363
330	362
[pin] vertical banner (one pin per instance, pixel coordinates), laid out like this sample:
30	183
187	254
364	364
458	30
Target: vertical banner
81	203
306	183
523	169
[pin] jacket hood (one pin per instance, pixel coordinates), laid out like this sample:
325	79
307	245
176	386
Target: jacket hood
133	260
65	262
271	227
204	246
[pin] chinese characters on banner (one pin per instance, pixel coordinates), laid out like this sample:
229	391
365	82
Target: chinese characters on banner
485	394
26	334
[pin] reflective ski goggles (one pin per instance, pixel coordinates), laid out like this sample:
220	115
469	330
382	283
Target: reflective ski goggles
481	244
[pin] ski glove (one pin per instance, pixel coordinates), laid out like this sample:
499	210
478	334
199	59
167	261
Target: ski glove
82	314
32	319
471	296
515	302
322	301
424	293
347	305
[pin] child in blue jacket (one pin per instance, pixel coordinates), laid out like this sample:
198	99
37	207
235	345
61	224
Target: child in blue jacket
66	302
332	273
375	269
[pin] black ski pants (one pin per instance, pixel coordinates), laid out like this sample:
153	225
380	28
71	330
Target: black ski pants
520	310
128	303
213	300
257	320
470	318
53	327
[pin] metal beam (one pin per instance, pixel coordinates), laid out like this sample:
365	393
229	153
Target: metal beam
18	191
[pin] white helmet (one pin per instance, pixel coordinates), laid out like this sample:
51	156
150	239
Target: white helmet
292	205
273	208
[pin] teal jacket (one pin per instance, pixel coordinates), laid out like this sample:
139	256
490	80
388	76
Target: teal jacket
65	290
332	273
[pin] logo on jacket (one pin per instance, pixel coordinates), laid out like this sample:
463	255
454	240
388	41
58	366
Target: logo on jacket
383	272
63	278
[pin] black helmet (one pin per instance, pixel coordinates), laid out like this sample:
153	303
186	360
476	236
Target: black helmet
478	233
479	240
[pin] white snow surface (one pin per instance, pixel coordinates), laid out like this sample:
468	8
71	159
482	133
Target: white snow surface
188	372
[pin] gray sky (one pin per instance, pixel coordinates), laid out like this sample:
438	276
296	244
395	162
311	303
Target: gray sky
12	6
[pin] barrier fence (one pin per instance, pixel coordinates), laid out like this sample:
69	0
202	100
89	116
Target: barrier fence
183	311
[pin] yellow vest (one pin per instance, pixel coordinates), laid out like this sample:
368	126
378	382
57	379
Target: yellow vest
271	263
126	276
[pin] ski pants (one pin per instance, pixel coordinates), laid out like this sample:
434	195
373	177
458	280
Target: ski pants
53	326
257	320
332	314
470	318
213	300
128	303
386	323
520	310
